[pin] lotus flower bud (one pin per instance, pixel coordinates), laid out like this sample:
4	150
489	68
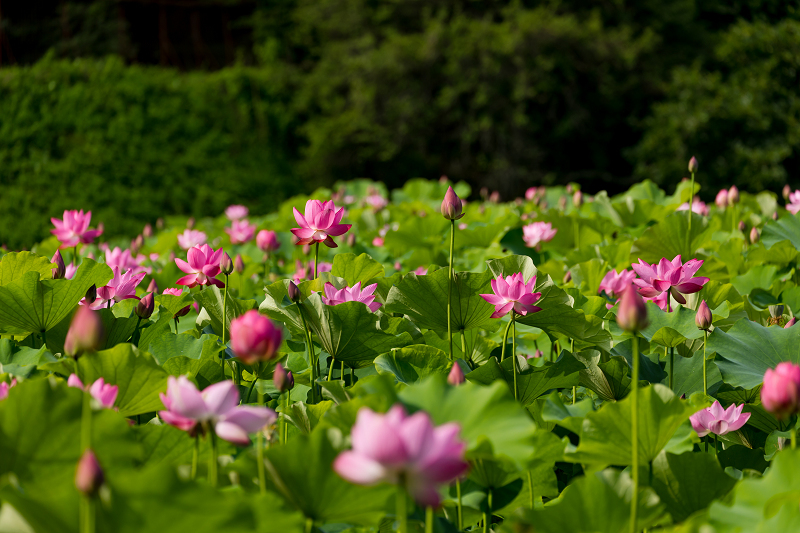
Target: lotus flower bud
536	355
225	264
741	225
85	332
293	291
254	338
147	231
282	378
91	294
267	241
632	314
775	215
780	394
190	223
61	269
494	197
238	264
570	188
153	286
89	475
733	195
451	205
790	323
775	311
138	242
722	199
567	277
703	317
693	165
562	203
184	311
456	375
577	198
144	309
787	190
351	240
754	235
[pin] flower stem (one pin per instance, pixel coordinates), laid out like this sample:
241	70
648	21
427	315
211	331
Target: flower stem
309	525
86	421
262	484
429	519
253	384
212	459
459	508
794	437
635	432
87	515
450	286
402	510
672	369
505	340
311	362
176	332
487	515
705	376
331	362
224	311
195	455
75	255
316	259
285	414
716	444
464	346
514	352
530	489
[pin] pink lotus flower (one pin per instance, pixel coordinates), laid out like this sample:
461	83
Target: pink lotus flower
267	241
536	233
421	271
254	337
124	260
698	207
377	242
202	268
5	387
236	212
178	292
73	229
632	313
191	238
121	287
376	201
304	272
397	448
352	294
513	293
794	202
241	231
215	408
722	199
717	420
101	391
780	394
70	270
320	223
614	284
89	475
673	277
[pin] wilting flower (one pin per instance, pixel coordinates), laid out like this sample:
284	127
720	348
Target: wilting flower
320	223
73	229
794	202
780	394
215	408
236	212
513	293
614	284
5	387
124	260
104	393
121	287
703	317
536	233
241	231
88	474
191	238
672	276
254	337
397	448
698	207
352	294
717	420
267	240
202	268
632	313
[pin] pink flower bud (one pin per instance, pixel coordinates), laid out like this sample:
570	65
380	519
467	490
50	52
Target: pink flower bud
722	199
153	286
536	355
632	313
741	225
754	235
790	323
238	264
61	269
267	241
787	190
733	195
282	378
144	309
225	264
703	317
147	231
567	277
85	332
780	394
294	292
577	198
88	475
254	338
456	375
451	205
91	294
775	215
693	165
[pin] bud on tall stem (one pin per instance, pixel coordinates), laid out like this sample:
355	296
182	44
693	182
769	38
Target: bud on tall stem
85	332
61	268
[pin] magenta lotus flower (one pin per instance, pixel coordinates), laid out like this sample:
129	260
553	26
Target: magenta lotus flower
780	394
397	448
669	276
614	284
241	231
352	294
717	420
101	391
698	207
254	337
202	268
124	260
267	241
215	408
191	238
5	387
236	212
536	233
794	202
121	287
322	222
513	293
73	229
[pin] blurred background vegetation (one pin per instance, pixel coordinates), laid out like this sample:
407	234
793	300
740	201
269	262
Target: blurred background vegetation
141	108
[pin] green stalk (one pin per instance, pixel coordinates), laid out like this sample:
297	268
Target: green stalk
75	255
464	345
87	515
262	483
311	362
530	488
176	332
212	459
309	525
253	384
450	286
635	433
429	520
316	259
285	414
459	508
195	455
505	340
716	444
341	372
331	362
224	320
705	376
86	422
487	515
671	368
794	437
402	510
514	352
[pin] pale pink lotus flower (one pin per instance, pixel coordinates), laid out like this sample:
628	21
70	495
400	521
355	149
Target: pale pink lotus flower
202	268
352	294
178	292
614	283
397	448
70	271
376	201
722	199
73	229
124	260
216	409
669	276
236	212
377	242
191	238
267	241
535	355
530	193
102	392
241	231
780	394
698	207
717	420
322	222
421	271
536	233
794	202
121	287
254	337
5	387
513	293
305	272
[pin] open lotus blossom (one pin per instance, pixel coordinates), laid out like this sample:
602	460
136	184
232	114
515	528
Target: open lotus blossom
202	268
125	261
420	270
614	284
267	240
717	420
101	391
216	409
236	212
536	233
73	229
304	272
5	387
669	276
241	231
698	207
397	448
121	287
191	238
513	293
793	205
352	294
780	394
322	222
